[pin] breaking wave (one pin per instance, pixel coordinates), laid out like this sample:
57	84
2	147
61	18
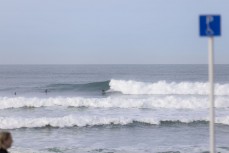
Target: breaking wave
163	87
82	121
173	102
130	87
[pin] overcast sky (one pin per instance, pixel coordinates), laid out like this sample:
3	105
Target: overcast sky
109	31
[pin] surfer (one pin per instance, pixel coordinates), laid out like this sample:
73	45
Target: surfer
46	91
5	141
103	92
15	93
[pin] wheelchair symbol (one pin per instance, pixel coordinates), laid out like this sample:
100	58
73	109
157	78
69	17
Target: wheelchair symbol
209	19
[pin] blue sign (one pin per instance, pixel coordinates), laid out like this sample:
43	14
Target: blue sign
210	25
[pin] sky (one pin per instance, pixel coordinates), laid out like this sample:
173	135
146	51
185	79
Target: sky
109	31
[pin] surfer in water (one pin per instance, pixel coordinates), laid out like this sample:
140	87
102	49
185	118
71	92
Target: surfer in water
5	141
46	91
15	93
103	92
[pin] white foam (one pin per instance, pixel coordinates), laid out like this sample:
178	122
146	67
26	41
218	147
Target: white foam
81	121
163	87
173	102
66	121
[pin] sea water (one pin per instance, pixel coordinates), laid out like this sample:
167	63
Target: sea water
144	109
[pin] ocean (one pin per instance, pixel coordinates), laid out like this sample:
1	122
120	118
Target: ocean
112	108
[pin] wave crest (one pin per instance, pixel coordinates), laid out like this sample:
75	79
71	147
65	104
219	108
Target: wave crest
171	102
82	121
163	87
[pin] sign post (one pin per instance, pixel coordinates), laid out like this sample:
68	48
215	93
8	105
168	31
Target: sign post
210	27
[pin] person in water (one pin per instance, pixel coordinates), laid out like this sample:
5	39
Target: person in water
103	92
46	91
6	141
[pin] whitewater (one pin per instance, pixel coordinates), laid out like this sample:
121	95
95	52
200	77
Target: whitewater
173	102
145	108
165	88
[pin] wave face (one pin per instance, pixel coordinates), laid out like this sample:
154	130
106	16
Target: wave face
170	102
94	86
81	121
163	87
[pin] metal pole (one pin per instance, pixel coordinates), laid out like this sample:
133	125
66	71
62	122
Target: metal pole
211	93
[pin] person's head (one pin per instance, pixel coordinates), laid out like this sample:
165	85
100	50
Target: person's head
5	140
